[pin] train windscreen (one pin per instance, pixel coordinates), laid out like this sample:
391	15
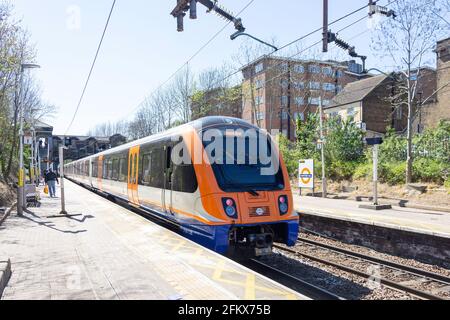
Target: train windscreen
242	159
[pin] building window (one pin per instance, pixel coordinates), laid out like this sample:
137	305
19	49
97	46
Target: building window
313	100
284	66
314	68
314	85
338	88
299	68
259	116
259	100
328	71
329	86
339	74
299	101
351	111
258	84
284	100
284	115
325	102
284	83
299	85
299	116
334	114
259	67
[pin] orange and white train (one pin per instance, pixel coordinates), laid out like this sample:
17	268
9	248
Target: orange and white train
223	205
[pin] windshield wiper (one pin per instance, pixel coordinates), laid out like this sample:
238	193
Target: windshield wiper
253	193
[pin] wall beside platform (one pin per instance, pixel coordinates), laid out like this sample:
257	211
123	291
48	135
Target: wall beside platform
427	248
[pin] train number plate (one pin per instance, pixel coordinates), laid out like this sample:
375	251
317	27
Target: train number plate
263	251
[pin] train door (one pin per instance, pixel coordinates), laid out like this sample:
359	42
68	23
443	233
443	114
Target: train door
100	173
168	187
133	168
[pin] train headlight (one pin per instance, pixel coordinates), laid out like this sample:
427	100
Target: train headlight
283	204
230	207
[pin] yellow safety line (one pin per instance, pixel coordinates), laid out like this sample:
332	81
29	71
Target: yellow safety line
218	270
250	293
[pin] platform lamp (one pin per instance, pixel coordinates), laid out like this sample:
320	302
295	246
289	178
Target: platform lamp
21	202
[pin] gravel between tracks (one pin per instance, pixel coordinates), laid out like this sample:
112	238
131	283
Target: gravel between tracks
345	284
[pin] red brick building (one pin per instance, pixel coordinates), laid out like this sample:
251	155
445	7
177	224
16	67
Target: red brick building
276	91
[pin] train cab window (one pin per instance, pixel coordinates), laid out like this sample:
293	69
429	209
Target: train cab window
115	169
123	173
144	177
184	178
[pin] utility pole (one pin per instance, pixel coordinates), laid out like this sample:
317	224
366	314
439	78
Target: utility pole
325	27
61	173
322	150
21	177
21	203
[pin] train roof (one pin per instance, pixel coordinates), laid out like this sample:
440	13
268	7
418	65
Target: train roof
198	125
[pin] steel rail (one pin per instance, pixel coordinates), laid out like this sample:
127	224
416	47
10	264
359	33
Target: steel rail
393	265
288	280
393	285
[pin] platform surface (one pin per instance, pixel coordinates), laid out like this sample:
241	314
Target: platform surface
109	252
408	219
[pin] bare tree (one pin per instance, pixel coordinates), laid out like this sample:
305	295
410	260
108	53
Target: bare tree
180	93
408	40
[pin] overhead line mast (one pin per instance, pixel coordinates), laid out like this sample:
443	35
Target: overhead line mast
191	5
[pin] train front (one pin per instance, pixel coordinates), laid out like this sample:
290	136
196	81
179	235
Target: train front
245	183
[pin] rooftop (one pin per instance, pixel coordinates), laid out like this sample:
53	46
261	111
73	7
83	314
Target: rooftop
357	91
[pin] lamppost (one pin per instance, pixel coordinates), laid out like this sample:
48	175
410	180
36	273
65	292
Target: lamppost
21	202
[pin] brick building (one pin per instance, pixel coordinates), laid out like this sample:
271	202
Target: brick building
370	103
439	107
83	146
276	91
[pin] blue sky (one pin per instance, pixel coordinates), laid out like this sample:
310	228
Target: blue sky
142	47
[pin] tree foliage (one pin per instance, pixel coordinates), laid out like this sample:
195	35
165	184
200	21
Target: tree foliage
15	94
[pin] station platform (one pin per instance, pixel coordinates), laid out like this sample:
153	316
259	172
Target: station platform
436	223
104	251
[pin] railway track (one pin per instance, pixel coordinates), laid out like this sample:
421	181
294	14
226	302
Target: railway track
412	280
292	282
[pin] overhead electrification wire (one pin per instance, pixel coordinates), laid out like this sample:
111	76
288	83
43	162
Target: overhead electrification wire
92	67
186	63
265	82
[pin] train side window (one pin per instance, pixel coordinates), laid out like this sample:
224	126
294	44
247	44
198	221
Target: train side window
115	169
145	169
184	178
105	169
157	170
123	169
110	169
94	168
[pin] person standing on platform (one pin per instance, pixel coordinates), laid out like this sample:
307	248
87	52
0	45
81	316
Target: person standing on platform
51	179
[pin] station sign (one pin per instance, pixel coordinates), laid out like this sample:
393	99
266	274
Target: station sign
306	173
374	141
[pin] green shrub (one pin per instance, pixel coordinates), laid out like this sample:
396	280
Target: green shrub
363	171
342	170
392	172
430	170
447	184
